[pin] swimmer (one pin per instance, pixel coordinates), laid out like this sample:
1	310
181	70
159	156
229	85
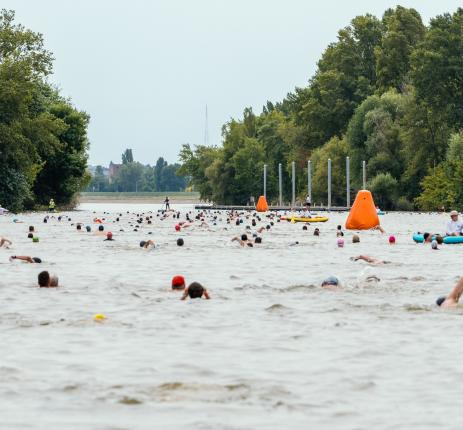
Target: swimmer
427	238
109	236
26	259
195	291
180	242
178	283
244	241
370	260
316	232
391	240
146	244
331	283
45	280
5	242
452	299
379	228
355	238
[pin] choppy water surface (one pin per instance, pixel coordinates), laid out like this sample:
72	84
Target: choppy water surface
271	350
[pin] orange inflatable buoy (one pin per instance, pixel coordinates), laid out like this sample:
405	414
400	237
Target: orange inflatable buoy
262	205
362	215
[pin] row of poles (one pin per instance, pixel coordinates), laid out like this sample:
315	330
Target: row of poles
309	181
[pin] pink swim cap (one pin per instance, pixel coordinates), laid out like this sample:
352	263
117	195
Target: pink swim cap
341	243
391	239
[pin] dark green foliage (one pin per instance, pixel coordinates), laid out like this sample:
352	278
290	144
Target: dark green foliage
387	91
43	139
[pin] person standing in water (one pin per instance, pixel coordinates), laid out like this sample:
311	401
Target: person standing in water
166	202
51	206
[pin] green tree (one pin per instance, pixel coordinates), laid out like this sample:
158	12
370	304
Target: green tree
127	156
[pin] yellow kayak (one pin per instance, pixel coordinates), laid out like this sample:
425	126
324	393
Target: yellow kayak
303	219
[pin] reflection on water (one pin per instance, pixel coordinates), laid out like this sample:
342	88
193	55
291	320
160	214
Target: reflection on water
271	349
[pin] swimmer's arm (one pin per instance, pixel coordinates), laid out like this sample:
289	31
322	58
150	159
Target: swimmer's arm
23	258
457	291
185	294
260	230
206	295
237	239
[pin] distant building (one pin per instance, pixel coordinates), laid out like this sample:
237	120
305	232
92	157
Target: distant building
113	170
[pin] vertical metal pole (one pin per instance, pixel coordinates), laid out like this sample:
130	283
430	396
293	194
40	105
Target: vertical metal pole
280	184
348	182
329	183
265	180
364	173
309	180
293	200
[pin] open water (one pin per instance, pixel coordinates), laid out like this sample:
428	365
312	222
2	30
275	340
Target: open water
271	350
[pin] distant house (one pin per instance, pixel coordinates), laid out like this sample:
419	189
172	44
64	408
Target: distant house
113	169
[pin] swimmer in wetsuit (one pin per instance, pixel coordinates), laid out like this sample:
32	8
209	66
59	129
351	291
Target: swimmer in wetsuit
146	244
452	299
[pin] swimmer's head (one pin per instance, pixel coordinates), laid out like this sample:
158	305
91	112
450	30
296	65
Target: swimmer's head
330	281
88	228
30	236
355	238
31	228
43	279
79	227
258	240
177	227
36	259
304	227
142	243
440	300
54	281
100	228
109	235
244	237
35	239
195	290
178	283
434	244
439	239
339	227
340	243
425	236
180	242
392	240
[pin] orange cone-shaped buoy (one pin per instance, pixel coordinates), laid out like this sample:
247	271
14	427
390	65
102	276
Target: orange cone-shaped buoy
262	205
363	214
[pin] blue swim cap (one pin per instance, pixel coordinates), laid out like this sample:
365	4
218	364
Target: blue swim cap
331	280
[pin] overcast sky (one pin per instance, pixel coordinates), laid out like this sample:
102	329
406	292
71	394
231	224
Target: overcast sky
145	69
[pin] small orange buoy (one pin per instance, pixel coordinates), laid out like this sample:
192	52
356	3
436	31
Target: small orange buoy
262	205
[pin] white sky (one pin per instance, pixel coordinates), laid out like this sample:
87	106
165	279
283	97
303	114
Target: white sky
144	70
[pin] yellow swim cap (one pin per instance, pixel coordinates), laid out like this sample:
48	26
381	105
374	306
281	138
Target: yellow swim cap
99	317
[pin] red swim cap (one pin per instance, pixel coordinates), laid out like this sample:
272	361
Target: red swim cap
109	235
177	227
391	239
178	281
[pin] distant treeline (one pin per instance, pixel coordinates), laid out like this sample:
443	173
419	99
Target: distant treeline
134	176
43	138
388	91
